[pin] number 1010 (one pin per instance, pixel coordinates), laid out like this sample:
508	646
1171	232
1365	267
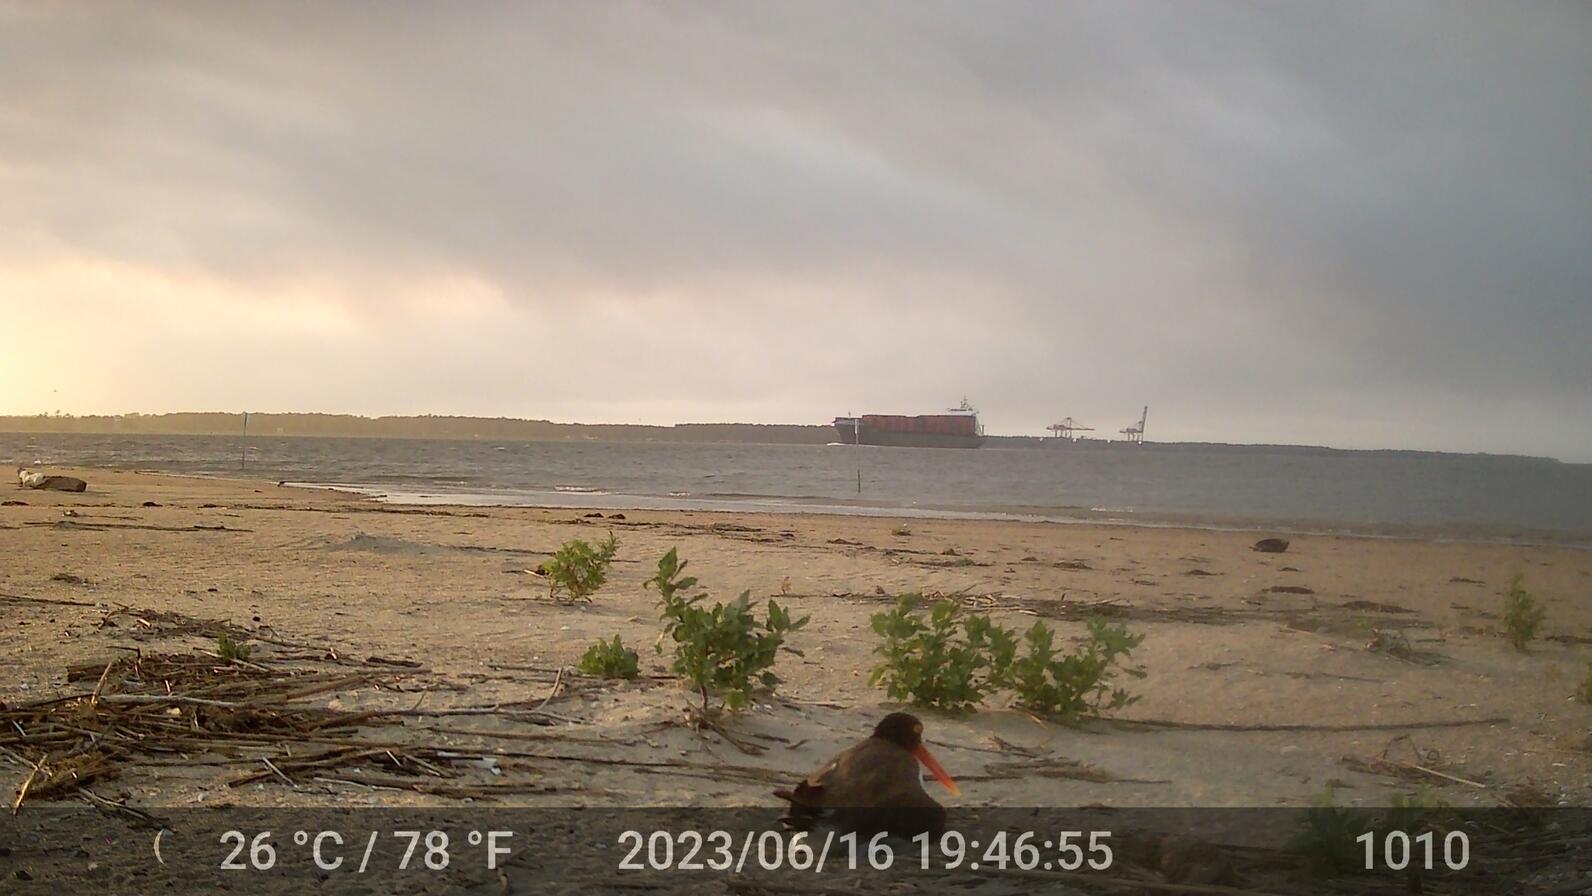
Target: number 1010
1399	849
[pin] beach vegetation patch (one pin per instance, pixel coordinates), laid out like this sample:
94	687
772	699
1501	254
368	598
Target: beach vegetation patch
610	659
723	649
947	657
578	569
1332	838
1077	684
1327	833
232	651
1522	614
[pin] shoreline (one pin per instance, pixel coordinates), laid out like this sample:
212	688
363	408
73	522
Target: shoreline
580	499
1452	499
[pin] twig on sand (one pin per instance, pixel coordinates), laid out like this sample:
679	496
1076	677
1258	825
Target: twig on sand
22	792
95	698
169	698
1455	778
1383	726
557	681
1394	768
100	802
45	600
717	726
278	772
505	710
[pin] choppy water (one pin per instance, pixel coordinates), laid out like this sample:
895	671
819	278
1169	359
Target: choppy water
1354	491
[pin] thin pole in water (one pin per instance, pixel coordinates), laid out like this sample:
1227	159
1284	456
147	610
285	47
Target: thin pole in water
243	464
859	480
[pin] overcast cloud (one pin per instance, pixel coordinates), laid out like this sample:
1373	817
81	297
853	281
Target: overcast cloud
1366	225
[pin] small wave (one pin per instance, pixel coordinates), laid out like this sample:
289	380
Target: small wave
679	494
579	490
1111	510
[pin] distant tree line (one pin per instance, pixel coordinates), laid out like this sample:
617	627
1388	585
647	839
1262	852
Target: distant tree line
416	427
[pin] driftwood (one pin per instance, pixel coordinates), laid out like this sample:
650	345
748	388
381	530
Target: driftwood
51	483
145	705
1383	726
17	598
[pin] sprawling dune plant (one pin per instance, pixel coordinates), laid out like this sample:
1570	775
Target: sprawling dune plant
947	657
721	649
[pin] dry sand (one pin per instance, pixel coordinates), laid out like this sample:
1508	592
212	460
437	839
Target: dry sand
447	588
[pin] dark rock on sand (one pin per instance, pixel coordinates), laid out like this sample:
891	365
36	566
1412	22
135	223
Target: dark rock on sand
60	484
1290	589
1271	545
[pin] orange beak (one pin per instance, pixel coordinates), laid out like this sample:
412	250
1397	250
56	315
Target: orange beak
935	769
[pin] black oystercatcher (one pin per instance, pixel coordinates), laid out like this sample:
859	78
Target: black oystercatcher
874	786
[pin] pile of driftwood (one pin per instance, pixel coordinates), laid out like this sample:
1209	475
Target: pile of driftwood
193	705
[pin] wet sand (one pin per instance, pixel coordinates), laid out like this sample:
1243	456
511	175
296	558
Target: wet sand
1254	696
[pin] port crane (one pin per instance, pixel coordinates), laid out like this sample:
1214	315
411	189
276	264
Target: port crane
1135	434
1065	429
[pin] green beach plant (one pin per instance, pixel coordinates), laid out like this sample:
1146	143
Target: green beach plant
1070	686
721	649
578	569
1522	614
232	651
947	658
610	659
1328	833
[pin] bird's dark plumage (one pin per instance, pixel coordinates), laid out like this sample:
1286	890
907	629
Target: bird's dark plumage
873	786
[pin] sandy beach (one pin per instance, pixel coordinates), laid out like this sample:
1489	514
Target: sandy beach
1254	696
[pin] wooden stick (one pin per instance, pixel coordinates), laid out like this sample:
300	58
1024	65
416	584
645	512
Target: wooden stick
45	600
172	698
1390	726
1436	773
22	792
557	680
285	778
94	700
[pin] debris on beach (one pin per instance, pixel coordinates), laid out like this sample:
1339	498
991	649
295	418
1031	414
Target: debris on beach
175	703
1271	545
36	480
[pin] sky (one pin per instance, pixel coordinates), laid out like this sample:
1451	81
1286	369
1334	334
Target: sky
1352	224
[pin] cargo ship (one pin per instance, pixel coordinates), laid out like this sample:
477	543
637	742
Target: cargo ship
956	428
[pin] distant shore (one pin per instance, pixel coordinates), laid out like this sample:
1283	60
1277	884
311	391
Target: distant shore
513	429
